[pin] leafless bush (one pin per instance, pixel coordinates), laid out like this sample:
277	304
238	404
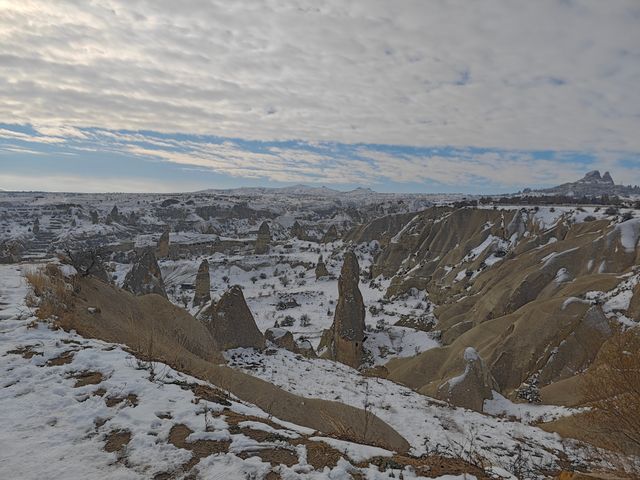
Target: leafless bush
50	293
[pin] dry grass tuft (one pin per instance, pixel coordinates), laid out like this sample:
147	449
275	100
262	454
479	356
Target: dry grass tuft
50	293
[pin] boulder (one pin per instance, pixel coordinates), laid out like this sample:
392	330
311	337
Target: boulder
321	269
305	348
471	388
343	342
330	235
264	239
145	276
163	245
203	285
231	322
281	338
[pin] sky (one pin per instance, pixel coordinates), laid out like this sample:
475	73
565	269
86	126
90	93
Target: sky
408	96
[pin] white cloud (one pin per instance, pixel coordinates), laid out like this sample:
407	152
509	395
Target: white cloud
524	75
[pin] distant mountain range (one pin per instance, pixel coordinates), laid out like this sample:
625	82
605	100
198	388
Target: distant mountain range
591	185
305	191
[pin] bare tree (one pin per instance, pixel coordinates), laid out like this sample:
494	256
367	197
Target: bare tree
87	261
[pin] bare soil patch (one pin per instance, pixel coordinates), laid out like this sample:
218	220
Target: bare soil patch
87	378
64	358
130	400
27	351
117	440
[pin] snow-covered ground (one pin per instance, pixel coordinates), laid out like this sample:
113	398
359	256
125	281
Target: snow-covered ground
285	277
77	408
429	425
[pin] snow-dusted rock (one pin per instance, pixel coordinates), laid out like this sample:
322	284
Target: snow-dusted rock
471	388
145	277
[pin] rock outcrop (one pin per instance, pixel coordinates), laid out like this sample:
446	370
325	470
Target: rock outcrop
343	342
203	285
281	338
162	249
578	349
298	231
471	388
514	284
321	269
593	184
264	239
145	276
331	235
114	215
231	322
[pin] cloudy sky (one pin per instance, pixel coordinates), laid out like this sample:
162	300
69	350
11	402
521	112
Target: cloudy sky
396	95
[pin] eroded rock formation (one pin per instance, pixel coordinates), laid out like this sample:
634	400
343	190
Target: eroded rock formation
264	239
203	285
162	248
298	231
145	277
331	235
231	322
321	269
472	387
343	342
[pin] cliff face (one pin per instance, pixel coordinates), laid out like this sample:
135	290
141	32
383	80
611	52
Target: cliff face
519	286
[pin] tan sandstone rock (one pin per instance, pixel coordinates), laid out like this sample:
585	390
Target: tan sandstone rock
343	341
471	388
321	269
203	285
163	245
231	322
